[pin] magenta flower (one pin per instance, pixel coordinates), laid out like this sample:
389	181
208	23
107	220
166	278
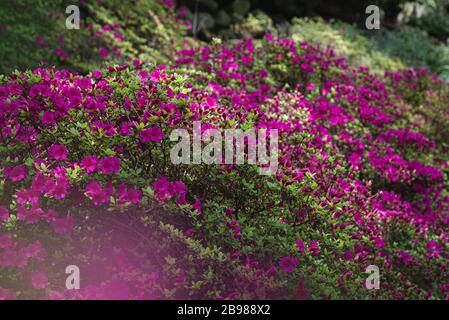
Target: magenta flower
97	74
6	294
89	164
300	245
61	53
49	117
288	264
55	295
4	213
153	134
84	83
313	248
188	233
354	159
8	258
58	188
247	59
35	251
169	3
16	173
119	37
98	195
109	165
40	41
39	280
181	199
5	241
104	52
58	152
162	189
302	293
31	215
133	196
63	225
178	187
433	248
197	205
379	242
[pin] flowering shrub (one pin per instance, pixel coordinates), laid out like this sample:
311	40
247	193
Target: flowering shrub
86	179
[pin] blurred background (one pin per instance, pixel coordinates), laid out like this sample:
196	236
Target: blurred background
412	33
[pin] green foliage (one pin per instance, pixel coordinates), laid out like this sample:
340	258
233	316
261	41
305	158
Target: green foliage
435	21
23	21
148	28
415	48
347	41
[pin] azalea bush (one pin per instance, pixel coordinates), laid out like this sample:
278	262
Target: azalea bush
86	177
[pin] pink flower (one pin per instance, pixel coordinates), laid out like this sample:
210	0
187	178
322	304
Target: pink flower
89	164
119	37
181	199
49	117
50	215
16	173
354	159
58	152
84	83
300	245
34	251
97	74
40	41
164	190
313	247
58	188
99	196
271	271
302	293
310	86
6	294
288	264
110	165
153	134
348	255
178	187
8	258
104	52
133	196
39	280
61	53
378	242
125	129
188	233
247	59
433	248
62	225
197	205
4	213
169	3
55	295
161	188
31	215
5	241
